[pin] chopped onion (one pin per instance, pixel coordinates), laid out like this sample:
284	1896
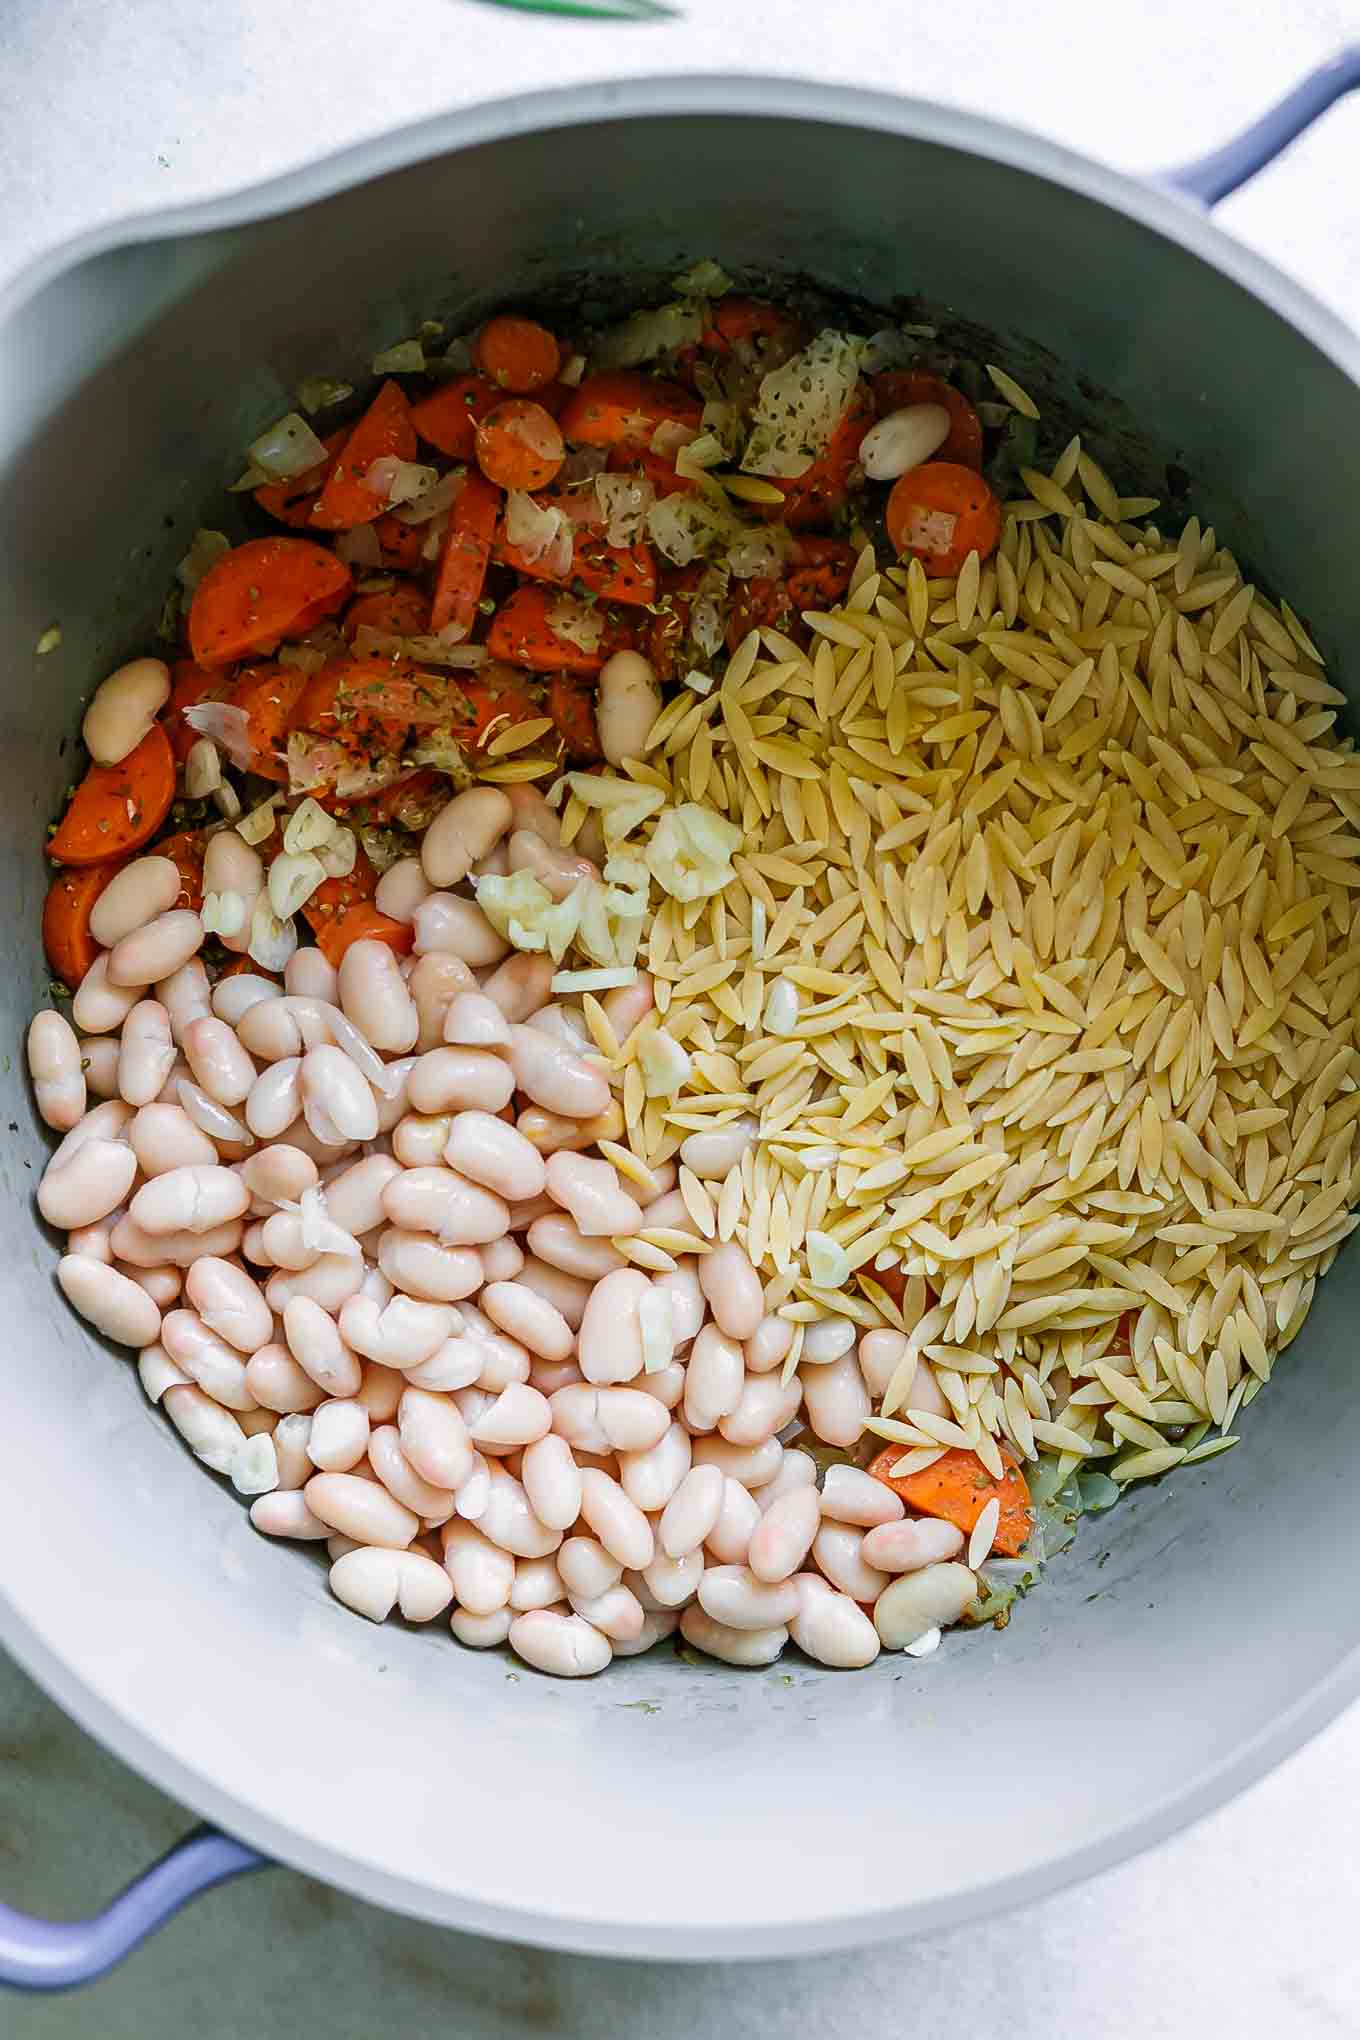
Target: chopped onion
827	1261
223	913
799	406
573	621
312	761
435	501
625	501
319	1230
665	1065
755	550
293	878
686	528
706	625
308	827
205	548
656	1322
647	334
698	455
319	392
704	279
359	547
228	727
339	853
259	825
253	478
400	481
690	854
541	532
202	769
288	448
272	941
406	358
459	352
700	683
357	782
226	800
670	435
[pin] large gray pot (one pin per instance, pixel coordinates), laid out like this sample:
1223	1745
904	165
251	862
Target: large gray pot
1188	1641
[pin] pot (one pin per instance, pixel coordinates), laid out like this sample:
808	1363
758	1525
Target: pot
668	1809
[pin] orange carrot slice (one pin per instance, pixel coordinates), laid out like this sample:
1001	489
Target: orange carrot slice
624	409
816	496
69	946
269	696
385	428
466	554
519	445
613	572
403	611
449	419
186	849
523	633
362	923
291	501
939	513
117	808
518	354
401	545
571	704
267	589
957	1488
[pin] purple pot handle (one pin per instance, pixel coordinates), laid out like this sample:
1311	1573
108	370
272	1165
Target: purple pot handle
56	1954
1212	177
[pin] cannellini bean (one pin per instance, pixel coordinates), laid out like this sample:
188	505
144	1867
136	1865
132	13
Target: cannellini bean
509	1521
146	1054
910	1546
435	1439
112	1303
552	1482
880	1355
555	1078
692	1512
315	1343
618	1523
463	832
163	1138
826	1341
387	1457
459	1213
830	1628
768	1345
672	1582
336	1095
361	1509
284	1513
123	708
162	1285
529	1318
100	1005
783	1537
520	986
563	1645
54	1063
586	1568
903	440
609	1343
420	1138
625	1006
839	1551
733	1646
551	1132
402	1333
837	1401
354	1197
93	1241
381	1392
458	928
591	1192
131	1242
501	1260
401	889
157	1371
557	869
628	703
460	1079
276	1381
233	997
764	1407
156	950
849	1495
930	1599
733	1290
712	1155
566	1293
309	974
538	1584
457	1364
556	1240
270	1030
733	1595
714	1380
185	994
421	1267
217	1367
617	1613
729	1541
277	1174
87	1185
487	1151
99	1055
436	983
211	1433
518	1417
292	1435
796	1470
681	1285
474	1021
649	1476
657	1625
338	1438
275	1098
375	997
218	1061
374	1581
279	1243
141	891
194	1199
481	1632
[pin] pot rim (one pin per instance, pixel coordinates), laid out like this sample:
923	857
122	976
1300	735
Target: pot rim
750	96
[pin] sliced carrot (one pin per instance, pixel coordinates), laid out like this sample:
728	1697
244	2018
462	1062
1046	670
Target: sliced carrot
466	554
957	1488
939	513
571	704
385	428
186	849
896	388
625	408
448	420
117	808
401	545
741	319
351	698
363	923
337	895
522	632
518	354
191	684
403	611
269	696
519	445
816	496
267	589
656	468
820	572
613	572
499	697
411	802
67	942
291	501
241	966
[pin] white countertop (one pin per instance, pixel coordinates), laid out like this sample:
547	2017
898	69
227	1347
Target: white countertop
1244	1925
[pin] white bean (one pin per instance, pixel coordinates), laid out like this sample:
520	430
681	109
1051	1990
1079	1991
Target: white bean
157	1371
552	1482
486	1150
910	1546
768	1345
538	1584
558	870
530	1319
387	1457
692	1512
336	1095
827	1340
195	1200
551	1131
714	1379
657	1625
752	1465
213	1119
275	1098
463	832
436	982
99	1065
140	892
837	1401
733	1595
113	1304
459	1079
681	1285
315	1343
361	1509
401	889
277	1174
373	1581
903	440
507	1518
284	1513
554	1238
211	1433
733	1290
830	1628
650	1475
849	1495
501	1260
458	928
185	995
219	1063
146	1055
881	1353
435	1439
765	1406
374	996
733	1646
729	1541
555	1078
381	1392
459	1213
628	703
99	1005
591	1192
930	1599
783	1537
712	1155
277	1382
123	709
839	1551
157	950
87	1185
130	1242
518	1417
566	1293
402	1333
217	1367
520	986
420	1266
563	1645
609	1343
481	1632
617	1613
233	997
586	1568
338	1438
673	1582
163	1137
618	1523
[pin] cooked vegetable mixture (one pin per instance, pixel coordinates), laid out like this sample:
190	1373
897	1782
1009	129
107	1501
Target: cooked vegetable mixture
715	1001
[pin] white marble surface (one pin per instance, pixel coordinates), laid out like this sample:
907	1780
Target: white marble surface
1245	1925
